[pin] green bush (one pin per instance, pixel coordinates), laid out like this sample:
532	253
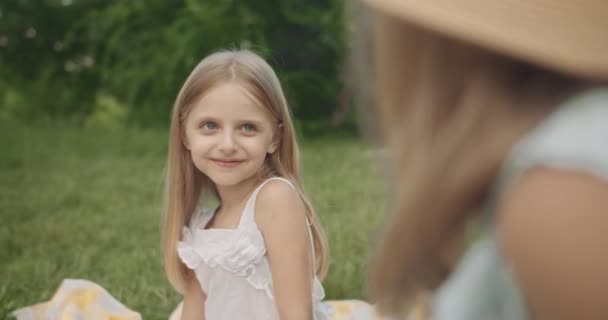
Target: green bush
60	54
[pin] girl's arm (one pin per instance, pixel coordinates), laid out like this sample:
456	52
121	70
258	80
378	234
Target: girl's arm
194	301
553	226
281	217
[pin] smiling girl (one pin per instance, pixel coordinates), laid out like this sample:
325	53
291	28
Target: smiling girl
261	252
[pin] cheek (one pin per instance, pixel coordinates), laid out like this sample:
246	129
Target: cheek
258	146
200	144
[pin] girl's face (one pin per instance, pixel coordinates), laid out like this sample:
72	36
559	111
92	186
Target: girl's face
229	135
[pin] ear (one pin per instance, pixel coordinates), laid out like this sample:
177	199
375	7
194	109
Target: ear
276	139
185	141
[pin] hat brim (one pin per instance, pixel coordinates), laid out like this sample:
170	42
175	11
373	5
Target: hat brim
565	36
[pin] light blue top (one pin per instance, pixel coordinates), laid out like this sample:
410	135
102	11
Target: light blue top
575	136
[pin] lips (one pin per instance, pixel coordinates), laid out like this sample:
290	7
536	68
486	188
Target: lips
226	163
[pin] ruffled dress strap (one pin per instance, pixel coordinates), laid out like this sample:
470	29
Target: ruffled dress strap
248	216
201	218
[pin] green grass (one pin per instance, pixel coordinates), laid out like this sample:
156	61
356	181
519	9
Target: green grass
85	203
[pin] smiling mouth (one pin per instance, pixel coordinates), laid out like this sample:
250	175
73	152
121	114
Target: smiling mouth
227	163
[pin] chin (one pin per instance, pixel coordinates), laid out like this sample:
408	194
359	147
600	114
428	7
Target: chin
227	180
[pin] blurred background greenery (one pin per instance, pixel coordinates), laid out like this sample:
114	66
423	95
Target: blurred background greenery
124	61
86	89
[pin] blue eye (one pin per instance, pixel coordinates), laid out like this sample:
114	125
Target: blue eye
209	126
248	127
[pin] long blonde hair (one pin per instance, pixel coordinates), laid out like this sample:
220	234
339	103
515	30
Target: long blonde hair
186	187
449	113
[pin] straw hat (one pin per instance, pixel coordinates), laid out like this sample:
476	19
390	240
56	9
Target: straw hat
563	35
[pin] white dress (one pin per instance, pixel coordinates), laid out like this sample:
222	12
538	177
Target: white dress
232	267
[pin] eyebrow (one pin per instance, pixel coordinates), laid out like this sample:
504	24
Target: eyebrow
256	122
205	118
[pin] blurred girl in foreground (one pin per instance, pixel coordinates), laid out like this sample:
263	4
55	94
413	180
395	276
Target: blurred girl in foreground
494	110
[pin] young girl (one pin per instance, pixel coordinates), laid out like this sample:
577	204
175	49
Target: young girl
261	252
500	108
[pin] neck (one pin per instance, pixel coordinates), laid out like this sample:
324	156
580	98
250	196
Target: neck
235	195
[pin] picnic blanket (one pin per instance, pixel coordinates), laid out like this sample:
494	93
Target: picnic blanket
79	299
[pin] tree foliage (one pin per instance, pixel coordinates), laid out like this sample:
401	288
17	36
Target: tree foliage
59	55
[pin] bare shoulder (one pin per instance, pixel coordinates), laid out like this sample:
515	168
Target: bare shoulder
559	194
281	218
278	204
552	224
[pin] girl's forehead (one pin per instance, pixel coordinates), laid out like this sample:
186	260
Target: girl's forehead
230	100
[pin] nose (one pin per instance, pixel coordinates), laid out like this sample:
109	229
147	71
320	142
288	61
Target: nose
227	144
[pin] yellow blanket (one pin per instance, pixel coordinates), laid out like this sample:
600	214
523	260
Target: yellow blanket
85	300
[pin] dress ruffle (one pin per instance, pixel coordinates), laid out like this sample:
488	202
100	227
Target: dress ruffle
238	251
322	310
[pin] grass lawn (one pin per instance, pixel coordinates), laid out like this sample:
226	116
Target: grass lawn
85	203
